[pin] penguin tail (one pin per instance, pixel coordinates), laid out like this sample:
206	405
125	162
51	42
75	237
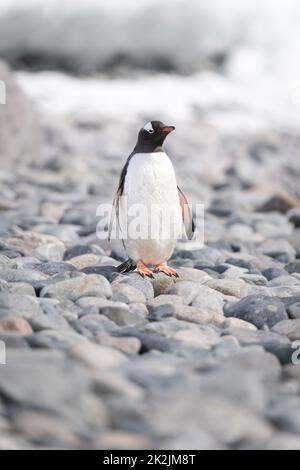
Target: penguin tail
126	266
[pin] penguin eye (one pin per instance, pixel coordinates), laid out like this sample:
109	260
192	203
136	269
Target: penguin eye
150	131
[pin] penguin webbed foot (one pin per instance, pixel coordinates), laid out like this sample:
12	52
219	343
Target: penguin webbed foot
164	268
144	271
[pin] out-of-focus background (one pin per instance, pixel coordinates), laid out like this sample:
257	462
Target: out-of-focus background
226	74
99	360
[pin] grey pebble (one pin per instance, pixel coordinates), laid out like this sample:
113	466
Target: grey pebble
271	342
22	305
257	309
73	289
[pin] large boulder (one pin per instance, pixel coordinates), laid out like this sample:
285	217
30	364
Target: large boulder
20	133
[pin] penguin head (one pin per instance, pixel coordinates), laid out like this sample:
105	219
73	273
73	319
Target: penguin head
153	134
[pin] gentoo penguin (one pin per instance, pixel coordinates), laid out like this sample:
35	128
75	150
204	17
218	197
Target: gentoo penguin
148	181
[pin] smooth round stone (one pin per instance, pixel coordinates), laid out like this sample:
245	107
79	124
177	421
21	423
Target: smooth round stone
21	288
277	291
193	314
52	251
206	254
237	323
99	302
257	309
221	268
294	310
161	312
20	305
241	263
127	345
234	272
268	230
241	232
52	211
122	440
52	267
284	281
95	324
85	260
164	299
123	314
293	267
203	338
22	275
15	324
278	248
109	272
127	294
209	300
211	272
289	328
272	342
192	274
228	346
234	287
167	327
115	384
135	280
66	233
54	339
218	320
78	250
272	273
53	321
187	290
26	262
77	217
82	286
42	426
254	279
97	356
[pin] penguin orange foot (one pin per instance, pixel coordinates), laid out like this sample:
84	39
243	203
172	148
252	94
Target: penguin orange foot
143	270
164	268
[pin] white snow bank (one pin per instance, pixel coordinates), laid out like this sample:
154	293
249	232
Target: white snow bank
230	107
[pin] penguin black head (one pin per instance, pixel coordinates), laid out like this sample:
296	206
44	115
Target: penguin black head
151	137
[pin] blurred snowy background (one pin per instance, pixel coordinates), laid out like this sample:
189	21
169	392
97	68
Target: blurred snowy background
252	43
216	70
226	74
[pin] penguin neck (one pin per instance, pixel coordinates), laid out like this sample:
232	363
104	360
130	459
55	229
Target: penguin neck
148	147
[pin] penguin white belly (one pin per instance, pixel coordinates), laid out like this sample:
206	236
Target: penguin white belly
150	212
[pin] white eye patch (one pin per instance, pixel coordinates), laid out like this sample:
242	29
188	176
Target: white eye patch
148	127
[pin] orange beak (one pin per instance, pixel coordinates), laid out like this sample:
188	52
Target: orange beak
168	129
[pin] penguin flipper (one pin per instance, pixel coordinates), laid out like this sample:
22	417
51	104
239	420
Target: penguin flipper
126	266
114	213
116	201
187	215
